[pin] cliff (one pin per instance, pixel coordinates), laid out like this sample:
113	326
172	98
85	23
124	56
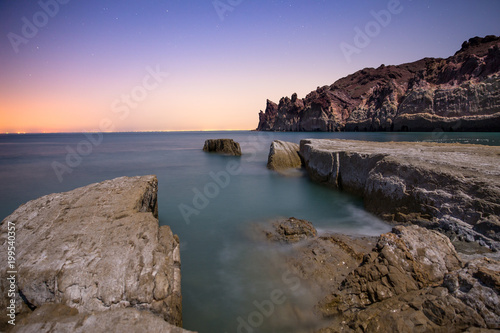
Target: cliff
459	93
92	258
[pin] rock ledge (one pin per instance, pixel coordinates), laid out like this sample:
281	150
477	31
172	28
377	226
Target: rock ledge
424	183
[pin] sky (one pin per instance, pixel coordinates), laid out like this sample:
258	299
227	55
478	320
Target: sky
169	65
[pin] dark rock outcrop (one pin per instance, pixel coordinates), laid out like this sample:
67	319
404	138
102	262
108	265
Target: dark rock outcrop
283	155
460	93
424	183
222	146
97	248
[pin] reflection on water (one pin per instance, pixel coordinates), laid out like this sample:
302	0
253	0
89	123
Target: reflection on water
227	280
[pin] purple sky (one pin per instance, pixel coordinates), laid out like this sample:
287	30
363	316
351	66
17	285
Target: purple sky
198	65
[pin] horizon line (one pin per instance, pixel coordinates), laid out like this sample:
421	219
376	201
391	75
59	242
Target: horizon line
134	131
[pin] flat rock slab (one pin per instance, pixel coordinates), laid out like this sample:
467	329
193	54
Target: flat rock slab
96	248
404	181
222	146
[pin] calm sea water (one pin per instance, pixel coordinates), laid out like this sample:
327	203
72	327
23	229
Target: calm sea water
211	202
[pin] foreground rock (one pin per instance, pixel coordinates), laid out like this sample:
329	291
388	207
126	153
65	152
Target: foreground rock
460	93
408	280
283	155
426	183
413	282
222	146
94	249
62	318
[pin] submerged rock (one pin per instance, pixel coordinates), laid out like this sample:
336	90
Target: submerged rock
222	146
96	248
283	155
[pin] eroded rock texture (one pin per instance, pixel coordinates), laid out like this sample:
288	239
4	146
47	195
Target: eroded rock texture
413	281
94	249
408	280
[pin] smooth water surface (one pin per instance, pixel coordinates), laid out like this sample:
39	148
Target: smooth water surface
211	202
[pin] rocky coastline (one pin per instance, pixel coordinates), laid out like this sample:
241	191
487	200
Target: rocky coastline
439	268
459	93
449	187
94	259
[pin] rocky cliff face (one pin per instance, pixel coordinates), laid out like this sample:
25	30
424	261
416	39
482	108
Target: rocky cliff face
95	249
460	93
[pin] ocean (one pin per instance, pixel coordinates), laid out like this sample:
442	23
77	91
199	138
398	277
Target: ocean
214	203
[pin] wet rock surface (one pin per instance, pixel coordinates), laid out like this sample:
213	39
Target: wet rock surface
222	146
98	248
